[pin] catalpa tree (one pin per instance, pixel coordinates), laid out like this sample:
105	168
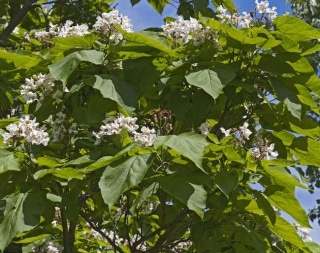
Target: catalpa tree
186	138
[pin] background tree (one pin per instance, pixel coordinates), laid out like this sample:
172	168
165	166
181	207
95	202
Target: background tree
179	139
309	11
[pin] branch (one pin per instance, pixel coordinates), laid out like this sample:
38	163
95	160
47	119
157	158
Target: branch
65	231
97	229
168	231
15	20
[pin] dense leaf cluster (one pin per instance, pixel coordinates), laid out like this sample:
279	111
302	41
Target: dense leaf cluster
190	191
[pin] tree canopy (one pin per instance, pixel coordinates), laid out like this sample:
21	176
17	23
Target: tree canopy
190	137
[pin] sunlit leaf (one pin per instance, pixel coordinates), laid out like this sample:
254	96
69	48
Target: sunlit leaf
190	145
8	161
207	80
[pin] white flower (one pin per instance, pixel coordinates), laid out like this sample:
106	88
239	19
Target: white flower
273	154
245	131
225	132
105	24
304	231
27	129
313	3
186	30
245	20
146	137
36	86
262	7
129	123
272	13
204	128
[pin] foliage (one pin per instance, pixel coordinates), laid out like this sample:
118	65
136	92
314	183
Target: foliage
309	12
121	141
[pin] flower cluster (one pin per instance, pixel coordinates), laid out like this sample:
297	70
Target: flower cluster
36	86
247	19
264	152
242	133
187	30
59	128
48	247
260	150
28	129
305	232
66	30
145	137
105	24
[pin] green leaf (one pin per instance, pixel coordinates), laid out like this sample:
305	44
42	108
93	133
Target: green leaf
159	5
107	160
20	61
295	28
306	150
22	213
190	145
53	197
287	94
233	154
192	195
314	247
64	173
50	162
143	195
62	69
87	116
282	193
148	74
8	161
227	3
122	175
32	239
150	39
266	207
227	181
5	122
111	87
243	38
134	2
200	4
207	80
287	232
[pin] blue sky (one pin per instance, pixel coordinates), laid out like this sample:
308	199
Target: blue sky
143	16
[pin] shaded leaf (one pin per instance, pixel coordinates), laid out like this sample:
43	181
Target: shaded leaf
22	213
159	5
227	181
111	87
122	175
192	195
62	69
